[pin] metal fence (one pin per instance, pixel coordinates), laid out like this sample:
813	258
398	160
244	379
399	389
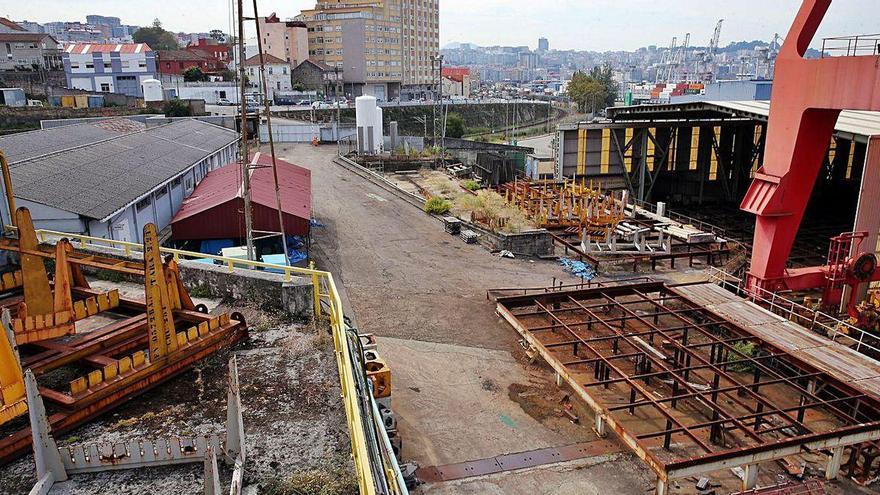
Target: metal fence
851	46
820	322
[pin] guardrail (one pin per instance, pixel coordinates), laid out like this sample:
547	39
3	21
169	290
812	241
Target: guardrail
684	219
326	296
851	46
820	322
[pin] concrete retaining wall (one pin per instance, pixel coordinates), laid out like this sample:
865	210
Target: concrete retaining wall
265	290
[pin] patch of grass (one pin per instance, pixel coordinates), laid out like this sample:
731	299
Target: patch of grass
471	185
330	479
437	206
490	209
200	291
110	276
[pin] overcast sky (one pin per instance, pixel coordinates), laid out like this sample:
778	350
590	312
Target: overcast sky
568	24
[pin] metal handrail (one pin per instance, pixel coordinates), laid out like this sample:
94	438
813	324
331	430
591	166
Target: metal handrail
836	329
325	292
851	46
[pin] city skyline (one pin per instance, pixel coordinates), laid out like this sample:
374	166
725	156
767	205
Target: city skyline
595	25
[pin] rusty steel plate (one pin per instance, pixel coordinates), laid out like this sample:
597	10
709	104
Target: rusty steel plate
511	462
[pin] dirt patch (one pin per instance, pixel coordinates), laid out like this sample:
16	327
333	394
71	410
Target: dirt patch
545	402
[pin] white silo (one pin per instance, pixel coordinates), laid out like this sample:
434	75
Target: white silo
152	90
365	117
379	133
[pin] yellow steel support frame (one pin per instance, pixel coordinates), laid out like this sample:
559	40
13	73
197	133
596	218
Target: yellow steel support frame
628	158
605	164
651	150
326	292
12	396
713	161
582	152
695	148
849	160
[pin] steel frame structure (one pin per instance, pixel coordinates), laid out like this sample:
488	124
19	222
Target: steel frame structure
681	388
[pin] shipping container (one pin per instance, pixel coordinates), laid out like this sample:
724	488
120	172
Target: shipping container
96	101
54	101
67	101
82	101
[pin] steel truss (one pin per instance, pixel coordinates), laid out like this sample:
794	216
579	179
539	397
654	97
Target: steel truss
687	390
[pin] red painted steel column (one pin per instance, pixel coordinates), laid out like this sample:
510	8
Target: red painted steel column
808	96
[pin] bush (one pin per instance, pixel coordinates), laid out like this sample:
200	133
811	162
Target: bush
471	185
176	108
437	206
749	350
454	125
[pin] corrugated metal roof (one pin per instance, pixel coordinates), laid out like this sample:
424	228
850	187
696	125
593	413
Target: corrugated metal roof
83	48
102	178
23	146
852	121
223	184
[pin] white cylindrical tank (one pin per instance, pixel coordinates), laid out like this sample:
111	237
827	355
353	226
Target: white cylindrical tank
379	133
365	117
152	90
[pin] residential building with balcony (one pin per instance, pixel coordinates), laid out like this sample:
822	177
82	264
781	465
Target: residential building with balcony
23	51
277	74
384	48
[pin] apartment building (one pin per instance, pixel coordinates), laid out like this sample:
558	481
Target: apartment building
286	40
23	51
277	74
119	68
383	48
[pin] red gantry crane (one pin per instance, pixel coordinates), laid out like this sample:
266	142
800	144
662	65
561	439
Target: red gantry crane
808	96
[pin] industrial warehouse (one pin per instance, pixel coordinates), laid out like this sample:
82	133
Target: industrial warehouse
666	283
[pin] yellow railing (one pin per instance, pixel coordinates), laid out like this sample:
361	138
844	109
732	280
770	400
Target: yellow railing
324	291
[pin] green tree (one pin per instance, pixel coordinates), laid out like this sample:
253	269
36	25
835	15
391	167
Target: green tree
605	76
156	37
454	125
194	74
176	108
588	92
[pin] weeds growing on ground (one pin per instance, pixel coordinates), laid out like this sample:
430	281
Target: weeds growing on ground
333	478
437	206
490	209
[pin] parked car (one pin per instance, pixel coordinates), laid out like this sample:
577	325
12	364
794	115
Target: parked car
224	101
303	102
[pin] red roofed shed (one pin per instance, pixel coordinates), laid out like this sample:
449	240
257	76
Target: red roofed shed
215	209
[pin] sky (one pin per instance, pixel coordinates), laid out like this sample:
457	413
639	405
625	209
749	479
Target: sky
598	25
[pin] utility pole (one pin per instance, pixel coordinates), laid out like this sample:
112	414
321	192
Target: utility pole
245	156
271	139
338	104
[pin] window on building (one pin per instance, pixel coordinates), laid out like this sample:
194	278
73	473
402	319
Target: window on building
270	71
222	94
188	185
162	192
176	182
142	64
108	65
90	65
105	87
142	204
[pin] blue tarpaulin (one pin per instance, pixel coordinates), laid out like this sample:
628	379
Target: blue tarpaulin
578	268
214	246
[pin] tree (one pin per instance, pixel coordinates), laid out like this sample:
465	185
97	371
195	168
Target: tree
156	37
454	125
176	108
194	74
590	92
605	76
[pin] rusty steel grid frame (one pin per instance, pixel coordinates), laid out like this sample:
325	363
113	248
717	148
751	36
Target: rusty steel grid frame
633	341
